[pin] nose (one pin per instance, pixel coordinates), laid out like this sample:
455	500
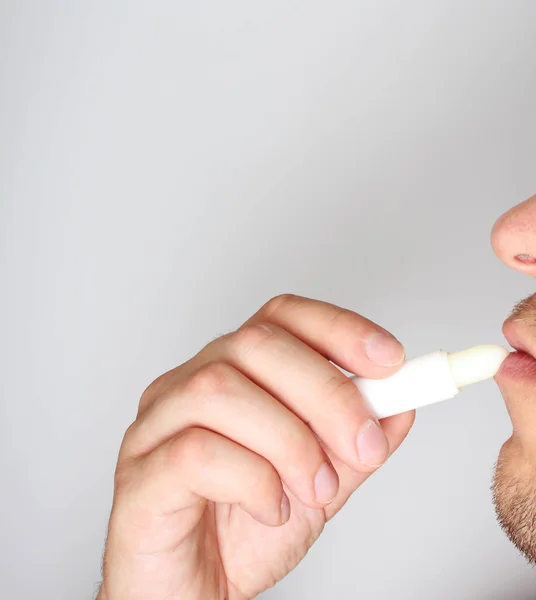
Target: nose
513	237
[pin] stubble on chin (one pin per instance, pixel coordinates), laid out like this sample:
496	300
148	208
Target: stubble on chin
514	498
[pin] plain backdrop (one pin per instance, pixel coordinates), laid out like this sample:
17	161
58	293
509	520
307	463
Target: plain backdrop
167	167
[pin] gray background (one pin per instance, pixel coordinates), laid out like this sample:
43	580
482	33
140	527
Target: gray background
167	167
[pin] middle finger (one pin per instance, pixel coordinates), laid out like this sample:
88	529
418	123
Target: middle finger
310	386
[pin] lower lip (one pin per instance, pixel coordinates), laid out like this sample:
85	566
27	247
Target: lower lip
518	365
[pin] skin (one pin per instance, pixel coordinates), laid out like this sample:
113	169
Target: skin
239	457
215	494
514	488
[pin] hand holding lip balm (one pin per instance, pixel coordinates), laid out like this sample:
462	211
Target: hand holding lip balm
430	378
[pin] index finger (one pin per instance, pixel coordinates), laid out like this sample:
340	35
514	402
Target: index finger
348	339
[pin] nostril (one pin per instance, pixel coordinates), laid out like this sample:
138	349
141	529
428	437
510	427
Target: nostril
526	259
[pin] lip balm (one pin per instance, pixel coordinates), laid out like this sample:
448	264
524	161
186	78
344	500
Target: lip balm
430	379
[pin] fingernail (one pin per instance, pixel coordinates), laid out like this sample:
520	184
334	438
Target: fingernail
326	484
285	509
372	445
384	350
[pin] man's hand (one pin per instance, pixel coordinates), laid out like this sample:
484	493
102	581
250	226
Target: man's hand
238	457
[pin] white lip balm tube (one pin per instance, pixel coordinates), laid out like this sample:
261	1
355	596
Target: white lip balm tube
429	379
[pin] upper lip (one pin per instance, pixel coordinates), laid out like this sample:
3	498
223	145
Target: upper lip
520	328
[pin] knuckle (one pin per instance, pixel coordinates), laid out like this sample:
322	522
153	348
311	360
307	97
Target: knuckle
128	438
210	378
263	479
341	390
301	449
153	390
250	336
122	477
343	318
146	397
277	302
191	446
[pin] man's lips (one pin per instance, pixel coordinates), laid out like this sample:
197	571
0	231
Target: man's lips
520	365
516	377
518	335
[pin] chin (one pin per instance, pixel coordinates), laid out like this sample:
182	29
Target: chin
514	497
